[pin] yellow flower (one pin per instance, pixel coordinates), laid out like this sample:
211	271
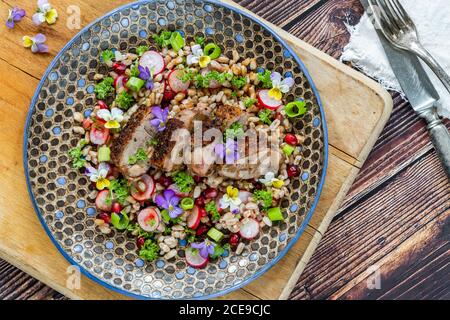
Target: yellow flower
280	86
27	41
51	16
277	183
112	118
204	61
102	183
275	93
232	192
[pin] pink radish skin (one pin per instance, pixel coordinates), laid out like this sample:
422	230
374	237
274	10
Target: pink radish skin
244	196
118	82
153	61
194	259
149	189
100	201
147	215
176	84
249	228
267	102
193	219
99	136
177	191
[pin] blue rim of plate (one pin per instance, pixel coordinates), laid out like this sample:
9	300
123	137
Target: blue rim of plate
265	268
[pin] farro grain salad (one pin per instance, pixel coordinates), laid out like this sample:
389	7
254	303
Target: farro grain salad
188	150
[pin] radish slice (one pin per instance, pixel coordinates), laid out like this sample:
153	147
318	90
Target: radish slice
119	82
149	188
177	191
194	259
154	61
244	196
100	201
249	228
213	84
175	83
267	102
149	219
98	135
193	219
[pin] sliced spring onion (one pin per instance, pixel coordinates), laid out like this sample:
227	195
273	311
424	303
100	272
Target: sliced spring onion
275	214
176	41
187	204
212	50
288	149
295	108
135	83
104	154
215	234
120	221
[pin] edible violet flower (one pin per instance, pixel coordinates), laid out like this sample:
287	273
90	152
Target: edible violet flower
113	118
229	151
231	200
146	74
205	248
169	201
15	15
198	56
159	122
44	13
280	86
37	43
99	175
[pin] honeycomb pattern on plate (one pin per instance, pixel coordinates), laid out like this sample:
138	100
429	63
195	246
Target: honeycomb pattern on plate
61	193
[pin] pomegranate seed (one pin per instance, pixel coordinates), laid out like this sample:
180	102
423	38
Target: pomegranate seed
105	217
258	185
140	242
119	67
202	212
87	123
234	239
291	139
210	193
197	179
199	202
293	171
201	230
165	181
102	104
116	207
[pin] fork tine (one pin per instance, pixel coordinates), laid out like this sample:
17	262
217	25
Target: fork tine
382	24
397	15
390	15
401	11
386	19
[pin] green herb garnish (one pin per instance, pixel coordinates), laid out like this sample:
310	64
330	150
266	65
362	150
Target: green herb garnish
104	88
220	250
124	100
168	38
107	55
149	251
264	78
249	102
140	155
265	196
76	155
134	70
200	40
184	181
211	208
238	82
118	189
120	221
265	116
236	130
141	49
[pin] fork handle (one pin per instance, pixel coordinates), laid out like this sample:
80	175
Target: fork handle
433	64
439	136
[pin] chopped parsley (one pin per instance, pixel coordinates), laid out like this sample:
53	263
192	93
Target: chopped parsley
141	49
265	196
136	230
149	250
134	70
139	156
236	130
190	234
104	88
264	78
249	102
169	39
107	55
220	250
78	159
124	100
200	40
184	181
265	116
118	189
203	81
238	82
211	208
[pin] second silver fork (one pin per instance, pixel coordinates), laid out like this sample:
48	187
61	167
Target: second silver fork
401	32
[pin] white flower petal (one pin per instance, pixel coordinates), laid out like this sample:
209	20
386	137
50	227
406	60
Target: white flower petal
289	82
103	169
275	77
191	59
104	114
284	88
117	114
197	50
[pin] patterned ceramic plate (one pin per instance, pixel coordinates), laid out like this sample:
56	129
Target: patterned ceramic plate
60	193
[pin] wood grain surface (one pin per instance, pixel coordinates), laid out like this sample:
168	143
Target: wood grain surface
396	215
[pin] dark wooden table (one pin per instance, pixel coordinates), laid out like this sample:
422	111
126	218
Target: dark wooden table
395	221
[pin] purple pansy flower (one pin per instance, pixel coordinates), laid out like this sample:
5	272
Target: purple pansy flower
169	201
37	43
159	122
229	151
145	74
205	248
15	15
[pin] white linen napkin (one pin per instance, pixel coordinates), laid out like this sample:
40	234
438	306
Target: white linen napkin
432	19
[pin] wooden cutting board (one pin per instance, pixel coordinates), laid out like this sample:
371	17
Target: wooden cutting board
356	111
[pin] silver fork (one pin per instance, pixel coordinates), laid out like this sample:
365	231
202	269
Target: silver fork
401	32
